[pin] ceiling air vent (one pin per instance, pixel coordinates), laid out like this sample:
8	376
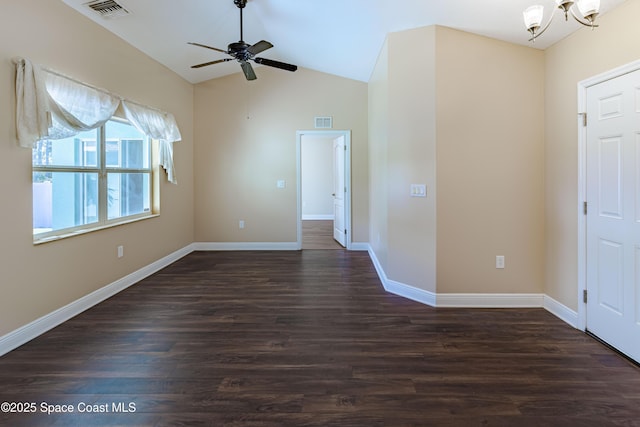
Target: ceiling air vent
107	8
324	122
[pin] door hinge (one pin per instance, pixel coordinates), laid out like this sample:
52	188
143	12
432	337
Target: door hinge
584	119
345	232
584	207
584	296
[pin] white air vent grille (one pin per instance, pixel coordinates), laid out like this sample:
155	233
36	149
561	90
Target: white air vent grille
324	122
107	8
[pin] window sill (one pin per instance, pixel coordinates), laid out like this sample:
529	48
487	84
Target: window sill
66	235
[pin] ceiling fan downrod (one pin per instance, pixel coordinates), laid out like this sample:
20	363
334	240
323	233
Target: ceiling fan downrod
241	4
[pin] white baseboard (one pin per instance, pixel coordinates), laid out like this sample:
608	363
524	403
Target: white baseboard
561	311
490	300
246	246
410	292
318	217
376	264
400	289
474	300
359	246
26	333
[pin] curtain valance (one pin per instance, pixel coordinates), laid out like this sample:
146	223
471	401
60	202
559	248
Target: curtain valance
52	106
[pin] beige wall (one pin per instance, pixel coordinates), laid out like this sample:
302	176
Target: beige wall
411	158
584	54
378	147
453	118
246	141
490	152
37	280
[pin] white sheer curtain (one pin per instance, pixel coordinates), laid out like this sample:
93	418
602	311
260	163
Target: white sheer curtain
32	104
75	107
158	125
53	106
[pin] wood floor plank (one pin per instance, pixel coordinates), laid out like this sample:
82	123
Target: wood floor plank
310	338
318	234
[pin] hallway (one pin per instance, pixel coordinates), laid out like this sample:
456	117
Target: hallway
318	235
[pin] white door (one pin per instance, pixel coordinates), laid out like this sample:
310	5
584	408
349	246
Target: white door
613	214
339	189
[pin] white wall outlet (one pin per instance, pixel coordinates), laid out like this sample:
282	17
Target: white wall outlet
500	261
281	183
120	251
241	224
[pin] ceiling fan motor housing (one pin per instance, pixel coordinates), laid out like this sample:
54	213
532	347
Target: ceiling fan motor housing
239	50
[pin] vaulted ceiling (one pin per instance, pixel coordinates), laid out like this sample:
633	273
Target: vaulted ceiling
340	37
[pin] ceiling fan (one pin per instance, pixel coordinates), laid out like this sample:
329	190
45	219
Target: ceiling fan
243	52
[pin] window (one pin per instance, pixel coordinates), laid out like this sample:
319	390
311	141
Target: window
91	180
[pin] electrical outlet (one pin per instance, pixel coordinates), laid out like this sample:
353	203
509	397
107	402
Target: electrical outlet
500	261
241	224
120	251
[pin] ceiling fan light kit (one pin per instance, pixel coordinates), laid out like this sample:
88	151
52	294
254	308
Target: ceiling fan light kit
588	10
244	52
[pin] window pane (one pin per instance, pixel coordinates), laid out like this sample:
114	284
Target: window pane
64	200
128	194
80	150
126	147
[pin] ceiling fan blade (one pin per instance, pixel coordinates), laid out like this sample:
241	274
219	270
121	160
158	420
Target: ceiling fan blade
248	70
207	47
276	64
261	46
211	63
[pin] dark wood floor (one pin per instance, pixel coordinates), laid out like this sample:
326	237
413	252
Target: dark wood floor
310	338
318	235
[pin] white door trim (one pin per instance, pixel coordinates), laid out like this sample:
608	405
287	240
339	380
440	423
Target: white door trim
347	178
582	179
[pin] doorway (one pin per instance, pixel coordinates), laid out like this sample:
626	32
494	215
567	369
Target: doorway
323	189
610	262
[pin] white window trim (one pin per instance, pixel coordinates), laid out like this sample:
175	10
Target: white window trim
102	170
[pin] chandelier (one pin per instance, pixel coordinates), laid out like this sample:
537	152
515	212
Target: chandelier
588	9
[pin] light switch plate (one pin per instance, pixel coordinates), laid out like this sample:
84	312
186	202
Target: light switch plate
418	190
281	183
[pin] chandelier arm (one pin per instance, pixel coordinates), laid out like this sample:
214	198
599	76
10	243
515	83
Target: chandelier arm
535	36
586	24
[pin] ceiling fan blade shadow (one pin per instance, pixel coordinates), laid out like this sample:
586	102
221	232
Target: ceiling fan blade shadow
261	46
207	47
247	69
276	64
211	63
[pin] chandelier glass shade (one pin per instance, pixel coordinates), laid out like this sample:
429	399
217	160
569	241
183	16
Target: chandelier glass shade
587	12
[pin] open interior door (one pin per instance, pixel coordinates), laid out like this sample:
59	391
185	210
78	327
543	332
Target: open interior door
339	190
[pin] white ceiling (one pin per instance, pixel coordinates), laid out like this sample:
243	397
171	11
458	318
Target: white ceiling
341	37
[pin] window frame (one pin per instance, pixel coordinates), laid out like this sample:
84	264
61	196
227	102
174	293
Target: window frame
103	171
